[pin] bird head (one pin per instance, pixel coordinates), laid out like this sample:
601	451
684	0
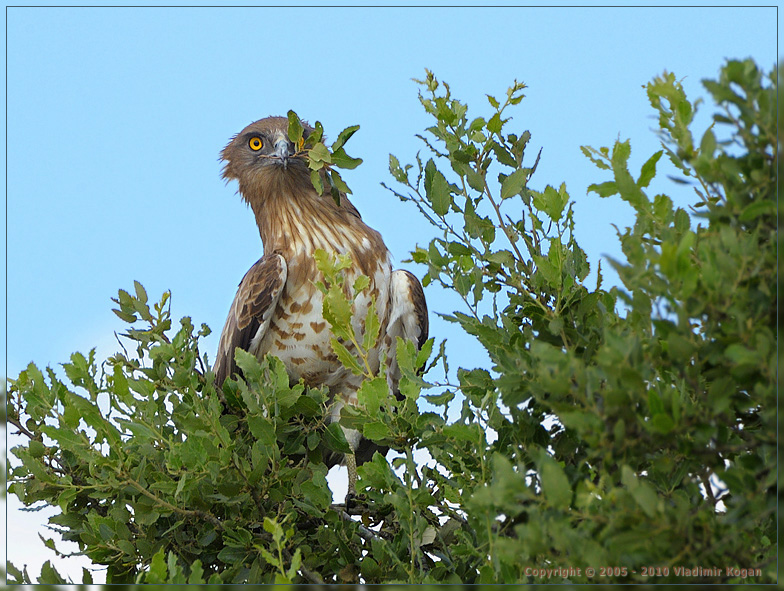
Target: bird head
263	151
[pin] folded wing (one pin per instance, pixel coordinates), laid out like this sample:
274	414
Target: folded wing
407	319
251	312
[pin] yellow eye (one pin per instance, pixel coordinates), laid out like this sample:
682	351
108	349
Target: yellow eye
255	144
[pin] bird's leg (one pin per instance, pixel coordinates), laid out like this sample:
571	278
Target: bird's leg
351	464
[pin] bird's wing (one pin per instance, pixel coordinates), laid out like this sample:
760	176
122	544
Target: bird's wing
251	312
407	318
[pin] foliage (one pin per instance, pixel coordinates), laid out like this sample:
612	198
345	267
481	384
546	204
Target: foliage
152	467
629	430
321	159
635	427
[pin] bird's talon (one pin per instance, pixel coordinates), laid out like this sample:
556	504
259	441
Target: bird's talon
355	501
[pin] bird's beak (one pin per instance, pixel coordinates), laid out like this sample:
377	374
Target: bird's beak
283	151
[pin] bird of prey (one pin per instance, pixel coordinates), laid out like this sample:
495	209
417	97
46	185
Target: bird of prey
278	307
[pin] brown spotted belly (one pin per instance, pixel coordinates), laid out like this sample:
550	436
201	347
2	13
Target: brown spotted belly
300	336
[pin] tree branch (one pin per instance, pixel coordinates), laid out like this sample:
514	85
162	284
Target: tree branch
200	514
22	429
365	533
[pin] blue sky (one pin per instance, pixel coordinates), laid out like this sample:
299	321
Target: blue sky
116	116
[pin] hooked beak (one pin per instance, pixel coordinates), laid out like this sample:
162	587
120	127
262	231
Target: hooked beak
283	151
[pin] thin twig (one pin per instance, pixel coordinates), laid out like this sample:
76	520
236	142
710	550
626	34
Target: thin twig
506	230
365	533
18	425
119	342
432	149
708	489
196	513
203	367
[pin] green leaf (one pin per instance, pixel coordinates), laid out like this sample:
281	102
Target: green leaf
495	124
467	433
424	353
231	555
319	154
344	136
513	184
343	160
316	135
295	128
37	449
397	172
347	358
503	155
338	183
50	576
361	283
649	170
316	490
437	189
375	431
125	316
627	187
442	399
335	438
296	562
662	423
595	156
241	538
315	179
197	574
552	201
333	188
262	429
158	571
372	327
555	484
92	416
606	189
372	394
249	365
141	294
708	143
475	180
271	526
337	311
741	355
758	209
641	491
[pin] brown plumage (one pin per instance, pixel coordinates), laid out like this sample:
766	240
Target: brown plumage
278	308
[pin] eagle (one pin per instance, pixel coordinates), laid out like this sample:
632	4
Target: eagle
278	307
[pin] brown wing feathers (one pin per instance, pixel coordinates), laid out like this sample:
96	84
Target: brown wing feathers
417	297
251	311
